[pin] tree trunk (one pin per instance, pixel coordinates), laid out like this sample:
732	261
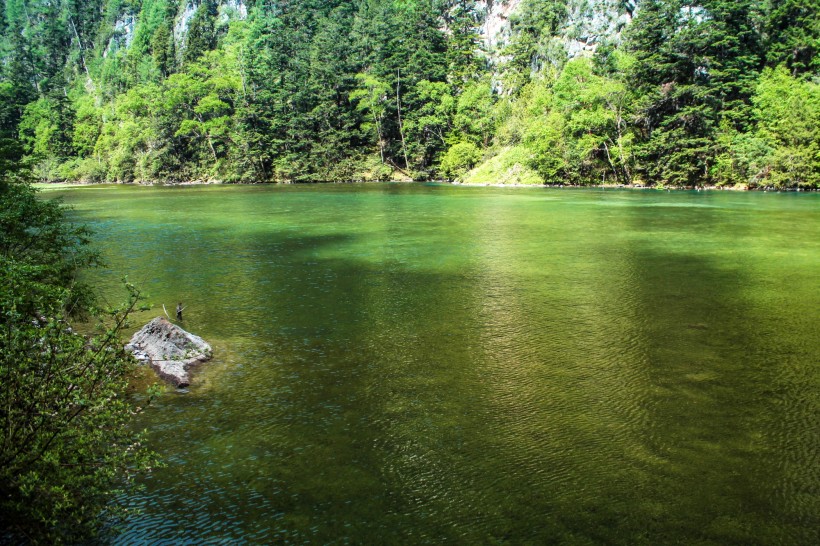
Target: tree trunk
401	128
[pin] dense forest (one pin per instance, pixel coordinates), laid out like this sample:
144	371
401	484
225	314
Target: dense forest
667	92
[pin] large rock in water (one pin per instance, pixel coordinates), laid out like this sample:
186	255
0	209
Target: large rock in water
169	349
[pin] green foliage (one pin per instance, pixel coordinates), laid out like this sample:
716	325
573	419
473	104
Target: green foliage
87	123
533	47
154	25
574	124
741	158
201	32
41	131
128	144
596	109
508	166
463	54
11	150
46	133
163	49
460	158
371	96
545	140
428	125
65	444
474	117
793	35
788	114
35	233
324	90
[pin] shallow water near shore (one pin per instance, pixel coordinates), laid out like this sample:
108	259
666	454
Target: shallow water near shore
433	364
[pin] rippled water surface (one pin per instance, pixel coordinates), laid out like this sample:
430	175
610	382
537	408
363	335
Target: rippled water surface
423	365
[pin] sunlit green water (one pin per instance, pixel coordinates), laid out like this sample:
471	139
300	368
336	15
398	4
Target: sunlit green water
410	364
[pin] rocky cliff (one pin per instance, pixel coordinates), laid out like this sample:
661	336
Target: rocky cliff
586	23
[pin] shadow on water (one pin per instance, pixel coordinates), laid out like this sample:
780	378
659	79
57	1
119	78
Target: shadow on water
692	420
635	393
724	447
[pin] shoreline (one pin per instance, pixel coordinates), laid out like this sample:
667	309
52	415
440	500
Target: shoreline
190	183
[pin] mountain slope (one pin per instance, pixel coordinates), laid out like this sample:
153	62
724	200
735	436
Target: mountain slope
558	91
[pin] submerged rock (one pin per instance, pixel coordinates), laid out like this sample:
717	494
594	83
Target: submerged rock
169	349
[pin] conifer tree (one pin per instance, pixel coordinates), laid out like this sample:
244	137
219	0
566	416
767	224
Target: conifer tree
793	35
201	32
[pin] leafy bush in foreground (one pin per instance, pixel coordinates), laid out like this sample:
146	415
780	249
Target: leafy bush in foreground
65	442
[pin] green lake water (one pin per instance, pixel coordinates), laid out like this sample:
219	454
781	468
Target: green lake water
408	364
